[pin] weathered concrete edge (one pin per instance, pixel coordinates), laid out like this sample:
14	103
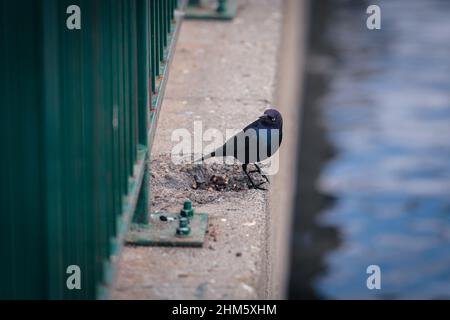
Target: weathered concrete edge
291	58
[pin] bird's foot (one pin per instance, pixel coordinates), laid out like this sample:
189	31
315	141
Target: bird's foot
257	186
263	175
253	185
258	169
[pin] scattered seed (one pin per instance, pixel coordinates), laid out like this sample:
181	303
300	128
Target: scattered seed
219	180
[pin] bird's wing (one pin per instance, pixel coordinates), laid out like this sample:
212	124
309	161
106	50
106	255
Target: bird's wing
254	143
242	146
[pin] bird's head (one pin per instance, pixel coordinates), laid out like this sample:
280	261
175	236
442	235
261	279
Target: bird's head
272	118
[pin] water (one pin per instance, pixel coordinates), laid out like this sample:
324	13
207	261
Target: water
385	110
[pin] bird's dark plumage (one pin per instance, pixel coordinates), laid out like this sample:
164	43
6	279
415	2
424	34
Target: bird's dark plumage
255	143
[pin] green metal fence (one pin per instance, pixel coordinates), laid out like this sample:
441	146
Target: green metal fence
78	113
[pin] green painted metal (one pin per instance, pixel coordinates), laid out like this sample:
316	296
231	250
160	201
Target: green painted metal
211	9
79	110
185	229
188	210
164	233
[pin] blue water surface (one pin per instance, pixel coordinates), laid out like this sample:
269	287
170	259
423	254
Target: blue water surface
387	113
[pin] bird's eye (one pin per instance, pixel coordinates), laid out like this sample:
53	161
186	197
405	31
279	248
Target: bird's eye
273	119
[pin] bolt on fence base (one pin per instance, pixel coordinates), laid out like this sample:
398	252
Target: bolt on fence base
217	10
184	229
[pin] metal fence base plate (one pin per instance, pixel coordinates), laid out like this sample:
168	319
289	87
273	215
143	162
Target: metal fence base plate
210	13
163	233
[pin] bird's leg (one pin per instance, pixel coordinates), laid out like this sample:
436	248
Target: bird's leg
260	172
258	169
244	168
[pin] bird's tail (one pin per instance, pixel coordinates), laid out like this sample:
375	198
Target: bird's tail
203	158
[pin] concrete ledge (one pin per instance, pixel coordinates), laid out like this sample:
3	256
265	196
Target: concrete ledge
289	97
223	74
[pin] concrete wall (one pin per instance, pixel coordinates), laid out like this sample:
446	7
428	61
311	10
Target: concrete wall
288	97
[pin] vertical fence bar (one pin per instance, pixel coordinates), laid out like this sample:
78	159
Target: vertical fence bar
126	93
133	83
52	148
143	66
168	20
153	45
161	31
71	93
88	122
157	37
105	204
21	178
116	158
121	123
164	22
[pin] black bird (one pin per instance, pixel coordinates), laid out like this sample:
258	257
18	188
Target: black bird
255	143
